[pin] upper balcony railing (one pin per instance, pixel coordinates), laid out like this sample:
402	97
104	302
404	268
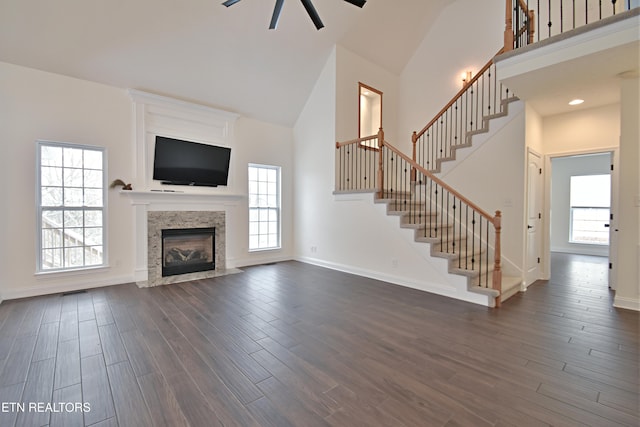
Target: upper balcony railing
530	21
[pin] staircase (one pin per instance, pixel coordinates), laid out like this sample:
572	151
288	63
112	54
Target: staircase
455	228
466	256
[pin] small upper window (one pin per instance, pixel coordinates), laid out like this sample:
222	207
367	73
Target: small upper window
71	206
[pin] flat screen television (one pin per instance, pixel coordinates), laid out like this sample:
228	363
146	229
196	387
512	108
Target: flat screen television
179	162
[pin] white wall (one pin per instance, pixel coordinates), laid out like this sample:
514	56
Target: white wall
38	105
350	70
494	178
628	272
262	143
534	138
466	35
590	129
563	168
314	153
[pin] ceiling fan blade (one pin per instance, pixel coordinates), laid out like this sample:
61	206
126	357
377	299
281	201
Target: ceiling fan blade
313	14
230	2
358	3
276	14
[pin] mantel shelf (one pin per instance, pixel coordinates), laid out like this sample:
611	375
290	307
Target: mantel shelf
147	197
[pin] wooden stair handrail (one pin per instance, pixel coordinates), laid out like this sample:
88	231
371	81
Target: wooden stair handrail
357	140
459	94
424	171
440	182
509	33
523	6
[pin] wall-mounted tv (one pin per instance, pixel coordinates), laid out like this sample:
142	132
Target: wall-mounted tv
179	162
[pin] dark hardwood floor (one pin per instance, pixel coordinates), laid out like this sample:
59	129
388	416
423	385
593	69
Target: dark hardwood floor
297	345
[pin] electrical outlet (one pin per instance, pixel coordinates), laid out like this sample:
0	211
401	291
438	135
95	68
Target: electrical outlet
394	263
314	249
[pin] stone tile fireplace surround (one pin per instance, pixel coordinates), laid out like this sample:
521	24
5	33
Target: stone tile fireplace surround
162	220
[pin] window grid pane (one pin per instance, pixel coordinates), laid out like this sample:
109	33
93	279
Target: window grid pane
71	206
590	209
264	207
588	225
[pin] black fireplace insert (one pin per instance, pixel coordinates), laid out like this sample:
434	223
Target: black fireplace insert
188	250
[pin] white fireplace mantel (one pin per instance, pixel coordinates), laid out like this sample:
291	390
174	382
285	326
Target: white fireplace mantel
145	202
181	198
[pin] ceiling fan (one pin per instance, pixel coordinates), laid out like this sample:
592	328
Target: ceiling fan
313	14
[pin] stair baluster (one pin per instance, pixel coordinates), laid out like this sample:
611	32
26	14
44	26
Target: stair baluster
481	98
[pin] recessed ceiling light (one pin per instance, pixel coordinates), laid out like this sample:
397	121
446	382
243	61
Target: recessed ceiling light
576	102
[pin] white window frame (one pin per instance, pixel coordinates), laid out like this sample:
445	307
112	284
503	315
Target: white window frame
573	239
40	268
258	209
581	206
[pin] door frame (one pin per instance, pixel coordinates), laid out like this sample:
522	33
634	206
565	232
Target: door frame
615	153
542	268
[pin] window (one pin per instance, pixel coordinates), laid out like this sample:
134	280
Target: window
71	208
590	201
370	114
264	207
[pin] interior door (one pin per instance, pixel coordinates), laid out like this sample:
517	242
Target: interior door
613	222
534	217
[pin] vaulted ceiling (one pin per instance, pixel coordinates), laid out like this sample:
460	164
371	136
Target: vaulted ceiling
199	50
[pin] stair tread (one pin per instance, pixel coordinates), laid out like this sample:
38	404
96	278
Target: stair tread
510	282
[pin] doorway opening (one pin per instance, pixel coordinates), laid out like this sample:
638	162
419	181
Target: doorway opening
583	207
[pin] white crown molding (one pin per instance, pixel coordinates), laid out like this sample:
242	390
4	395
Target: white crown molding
147	98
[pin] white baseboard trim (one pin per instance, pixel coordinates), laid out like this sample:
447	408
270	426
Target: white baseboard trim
626	303
249	261
434	288
582	250
35	291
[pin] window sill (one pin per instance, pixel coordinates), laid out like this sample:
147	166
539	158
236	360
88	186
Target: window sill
588	243
265	249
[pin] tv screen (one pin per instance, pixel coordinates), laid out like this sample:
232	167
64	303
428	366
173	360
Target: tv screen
179	162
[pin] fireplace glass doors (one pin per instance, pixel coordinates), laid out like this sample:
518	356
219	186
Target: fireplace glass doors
188	250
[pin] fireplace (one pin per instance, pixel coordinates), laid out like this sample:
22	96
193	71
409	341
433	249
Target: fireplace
188	250
163	221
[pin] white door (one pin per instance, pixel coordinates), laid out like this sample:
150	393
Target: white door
534	217
613	222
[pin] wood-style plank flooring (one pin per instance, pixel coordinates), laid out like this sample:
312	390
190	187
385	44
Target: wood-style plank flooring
292	344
